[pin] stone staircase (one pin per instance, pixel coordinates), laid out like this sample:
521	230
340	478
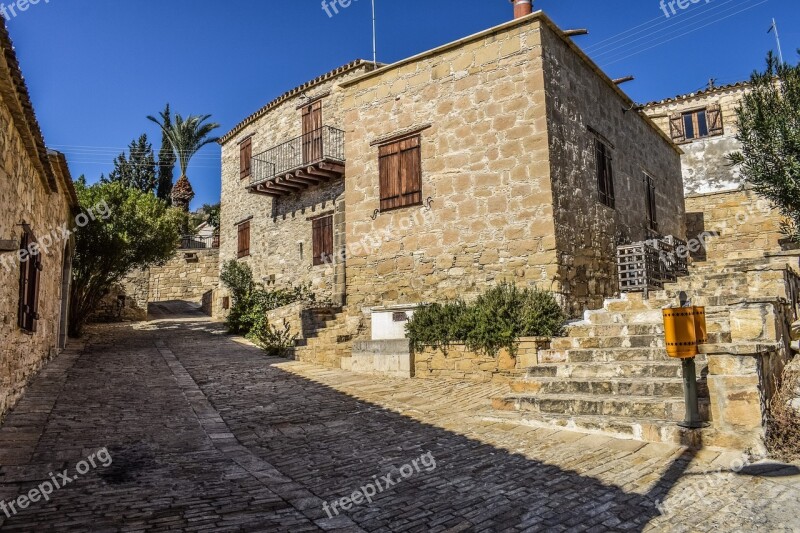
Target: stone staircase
324	339
611	373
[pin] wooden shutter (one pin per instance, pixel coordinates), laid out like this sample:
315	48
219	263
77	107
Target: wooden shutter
605	174
244	239
245	158
714	118
322	235
676	128
652	220
29	285
312	132
400	173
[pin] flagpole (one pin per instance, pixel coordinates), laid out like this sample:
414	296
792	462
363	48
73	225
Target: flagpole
374	37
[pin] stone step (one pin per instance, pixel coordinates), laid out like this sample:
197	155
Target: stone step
641	407
618	341
651	430
604	355
655	387
602	316
639	370
584	329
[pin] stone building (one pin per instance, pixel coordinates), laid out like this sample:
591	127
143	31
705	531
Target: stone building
37	199
718	203
506	155
282	208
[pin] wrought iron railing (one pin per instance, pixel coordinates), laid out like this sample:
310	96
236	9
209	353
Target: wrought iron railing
323	144
199	242
648	265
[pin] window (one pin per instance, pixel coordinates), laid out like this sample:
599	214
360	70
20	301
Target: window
400	170
322	235
696	124
245	158
652	221
29	283
605	173
244	239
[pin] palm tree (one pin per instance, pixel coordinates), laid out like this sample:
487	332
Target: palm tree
187	137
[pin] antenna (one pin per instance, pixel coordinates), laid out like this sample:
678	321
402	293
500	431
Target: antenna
777	39
374	38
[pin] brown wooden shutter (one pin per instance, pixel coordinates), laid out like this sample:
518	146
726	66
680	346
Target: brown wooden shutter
676	128
652	219
605	174
245	158
30	271
400	172
244	239
322	236
714	118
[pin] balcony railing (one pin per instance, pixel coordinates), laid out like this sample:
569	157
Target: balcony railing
299	163
199	242
648	265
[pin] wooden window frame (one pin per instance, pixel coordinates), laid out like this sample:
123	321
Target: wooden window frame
246	158
322	240
243	239
29	283
696	124
604	173
650	199
400	173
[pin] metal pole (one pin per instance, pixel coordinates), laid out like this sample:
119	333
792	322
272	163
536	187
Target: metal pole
778	40
690	395
374	38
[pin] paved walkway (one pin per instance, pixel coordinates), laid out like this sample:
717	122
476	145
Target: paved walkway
205	433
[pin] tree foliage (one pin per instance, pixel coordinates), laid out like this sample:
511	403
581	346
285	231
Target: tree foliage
768	120
140	231
187	136
137	169
166	159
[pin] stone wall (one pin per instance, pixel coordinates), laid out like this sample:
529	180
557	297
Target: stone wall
281	246
583	106
26	196
127	300
457	362
705	164
187	276
732	224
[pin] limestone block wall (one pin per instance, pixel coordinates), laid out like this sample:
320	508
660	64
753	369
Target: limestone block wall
127	300
26	196
704	163
480	105
187	276
458	362
732	224
582	106
280	229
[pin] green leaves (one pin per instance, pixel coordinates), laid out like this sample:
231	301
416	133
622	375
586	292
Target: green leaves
768	121
187	136
496	320
138	170
140	231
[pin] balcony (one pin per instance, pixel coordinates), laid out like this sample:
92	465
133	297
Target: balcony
199	242
306	161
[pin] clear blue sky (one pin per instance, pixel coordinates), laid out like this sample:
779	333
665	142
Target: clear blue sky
96	68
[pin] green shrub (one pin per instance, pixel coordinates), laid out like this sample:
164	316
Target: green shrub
250	303
496	320
277	342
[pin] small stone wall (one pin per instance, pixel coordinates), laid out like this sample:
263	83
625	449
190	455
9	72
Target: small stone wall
460	363
127	300
187	276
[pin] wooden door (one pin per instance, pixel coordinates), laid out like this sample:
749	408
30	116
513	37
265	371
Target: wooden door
312	133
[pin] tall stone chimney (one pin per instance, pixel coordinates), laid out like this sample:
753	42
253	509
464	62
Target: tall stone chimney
522	8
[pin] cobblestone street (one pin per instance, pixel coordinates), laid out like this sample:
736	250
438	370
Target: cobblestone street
206	433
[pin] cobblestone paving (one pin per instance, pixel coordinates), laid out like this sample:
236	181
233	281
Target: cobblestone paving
208	434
